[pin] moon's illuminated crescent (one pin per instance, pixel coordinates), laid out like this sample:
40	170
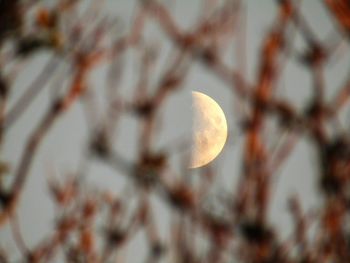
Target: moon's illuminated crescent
209	130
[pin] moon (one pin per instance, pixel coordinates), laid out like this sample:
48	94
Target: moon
209	130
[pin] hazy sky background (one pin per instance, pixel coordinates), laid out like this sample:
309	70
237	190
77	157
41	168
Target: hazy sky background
65	143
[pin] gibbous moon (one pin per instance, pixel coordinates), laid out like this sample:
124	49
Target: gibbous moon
209	130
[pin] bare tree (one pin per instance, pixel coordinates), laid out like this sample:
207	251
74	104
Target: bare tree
241	232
